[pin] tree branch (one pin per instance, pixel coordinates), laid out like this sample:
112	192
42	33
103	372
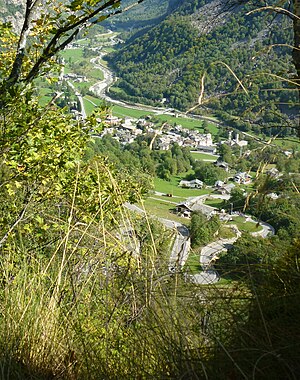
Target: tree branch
51	49
18	220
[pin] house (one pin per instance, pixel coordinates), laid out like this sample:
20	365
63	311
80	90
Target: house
222	165
164	145
225	189
273	172
128	124
219	184
242	178
212	149
113	120
193	184
195	204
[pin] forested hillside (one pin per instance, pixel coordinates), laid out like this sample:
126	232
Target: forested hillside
197	41
12	11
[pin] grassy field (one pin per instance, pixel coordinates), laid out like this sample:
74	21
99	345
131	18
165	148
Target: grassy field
163	209
95	100
75	56
193	263
171	187
203	156
218	203
288	143
244	226
83	42
129	112
188	123
88	106
96	74
72	55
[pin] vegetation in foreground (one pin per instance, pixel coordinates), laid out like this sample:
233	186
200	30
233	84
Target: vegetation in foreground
85	291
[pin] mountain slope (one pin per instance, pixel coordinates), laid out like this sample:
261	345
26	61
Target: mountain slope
12	11
202	38
142	16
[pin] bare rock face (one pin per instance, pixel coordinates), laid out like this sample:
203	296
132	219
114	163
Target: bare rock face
211	15
12	11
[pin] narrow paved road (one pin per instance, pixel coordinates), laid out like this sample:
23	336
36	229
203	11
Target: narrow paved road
210	252
181	246
80	99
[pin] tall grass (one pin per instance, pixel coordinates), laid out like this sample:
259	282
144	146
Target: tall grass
101	304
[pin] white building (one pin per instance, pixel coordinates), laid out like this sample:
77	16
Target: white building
242	178
193	184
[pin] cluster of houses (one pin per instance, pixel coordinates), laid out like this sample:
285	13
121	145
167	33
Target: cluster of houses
220	187
185	137
126	130
195	204
75	77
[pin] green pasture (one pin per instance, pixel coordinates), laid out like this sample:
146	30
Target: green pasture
218	203
72	55
288	143
81	85
83	42
244	226
108	49
95	100
162	209
95	74
88	106
171	187
203	156
128	112
188	123
193	263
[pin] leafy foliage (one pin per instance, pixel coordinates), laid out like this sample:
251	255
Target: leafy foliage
85	291
203	229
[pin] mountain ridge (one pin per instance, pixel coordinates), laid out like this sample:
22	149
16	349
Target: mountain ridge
169	60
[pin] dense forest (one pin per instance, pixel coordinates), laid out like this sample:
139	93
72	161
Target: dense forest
209	41
85	286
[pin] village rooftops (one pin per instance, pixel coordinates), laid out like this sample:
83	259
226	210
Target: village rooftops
243	178
193	205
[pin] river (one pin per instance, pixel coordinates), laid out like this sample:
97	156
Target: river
101	88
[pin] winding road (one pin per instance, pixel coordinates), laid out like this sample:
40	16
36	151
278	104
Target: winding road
210	253
101	88
181	246
182	242
80	99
